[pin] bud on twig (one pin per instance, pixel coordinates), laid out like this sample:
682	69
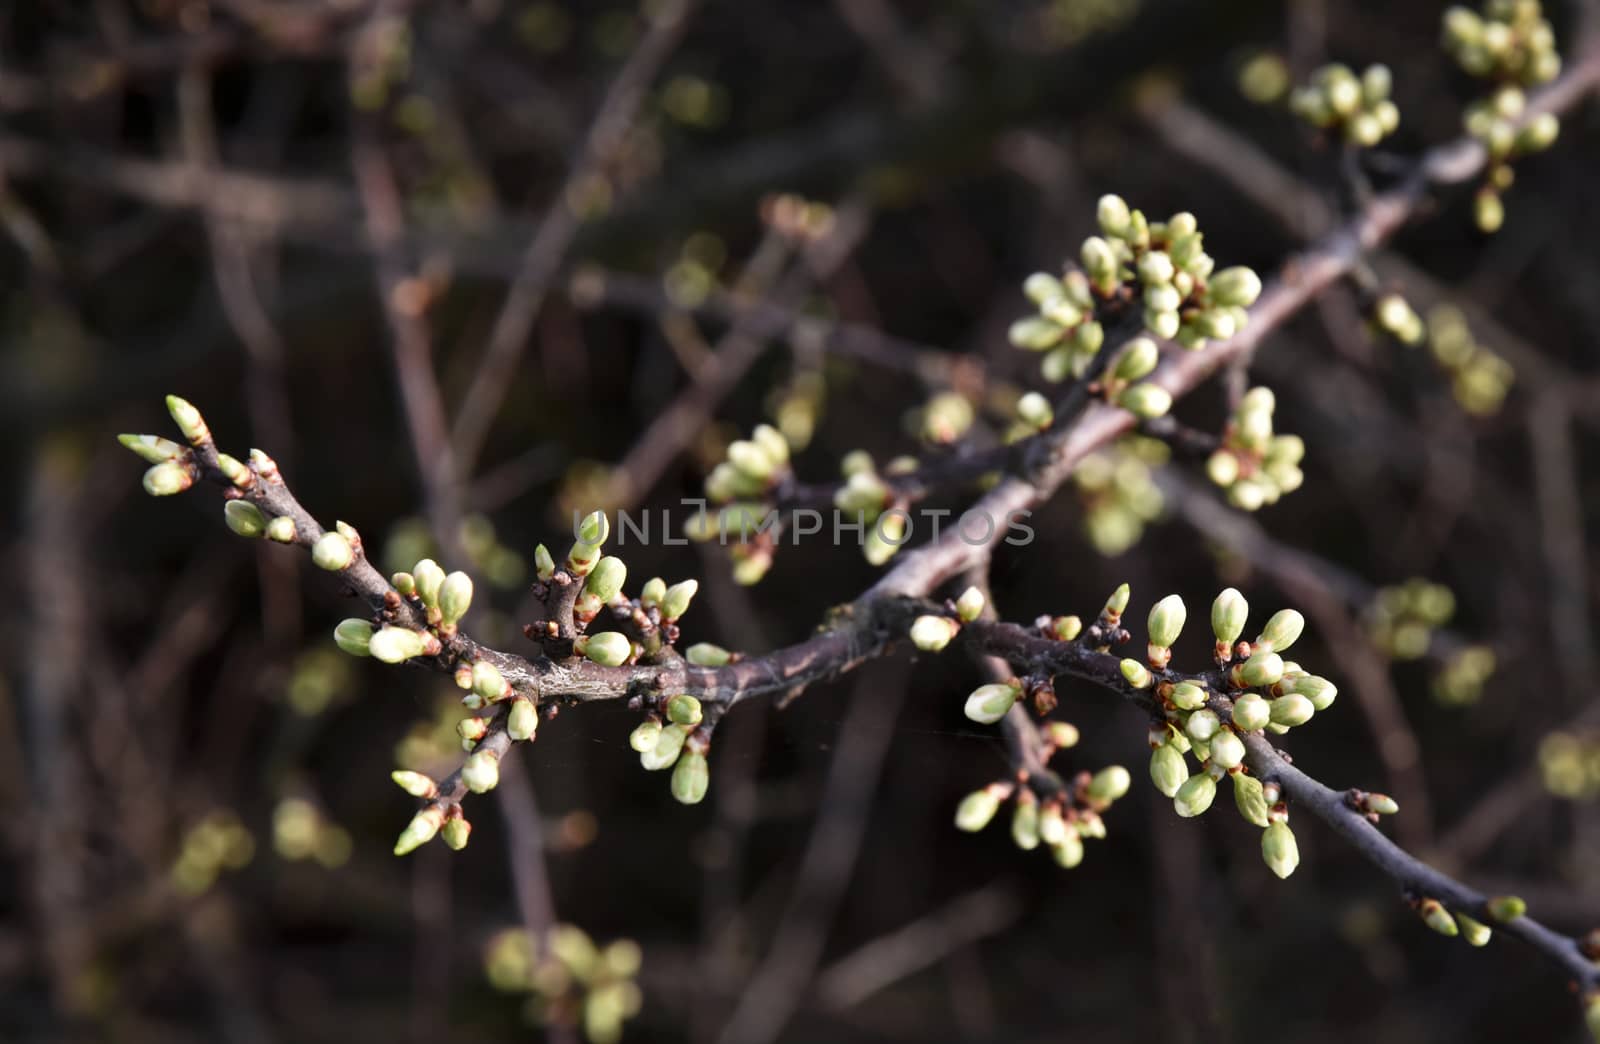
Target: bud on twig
1278	849
419	831
244	518
989	703
414	783
353	636
933	633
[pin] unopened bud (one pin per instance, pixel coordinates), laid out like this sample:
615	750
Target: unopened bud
691	778
1034	410
414	783
594	529
1068	852
1251	713
1281	631
281	530
669	744
1475	932
970	605
396	644
1187	696
353	636
1435	916
645	735
1195	796
1113	215
704	654
1506	908
1138	357
1109	784
455	598
608	648
1238	286
544	566
606	579
522	720
676	601
1061	734
1137	674
419	831
244	518
1278	849
1202	725
152	449
1146	401
978	808
188	420
456	832
989	703
932	633
684	709
1264	668
481	771
1227	749
1166	620
1168	769
332	552
167	478
1291	710
1249	798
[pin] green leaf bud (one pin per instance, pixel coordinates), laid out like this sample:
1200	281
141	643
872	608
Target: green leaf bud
1035	333
645	735
419	831
1061	734
653	591
978	808
1156	267
430	580
1251	713
1320	691
676	601
1117	603
1264	668
989	703
1166	620
235	471
1041	287
1435	916
605	580
1195	796
1065	628
244	518
1291	710
481	771
1187	696
1100	262
1034	410
772	442
522	720
1227	749
594	529
455	833
932	633
1506	908
1249	798
1539	133
970	605
397	644
1202	725
608	648
751	460
1089	337
1146	401
1109	784
684	709
704	654
188	420
281	530
544	566
152	449
1062	312
1168	769
1216	323
1137	674
1162	297
1279	850
691	778
1382	804
1052	825
1025	822
488	682
455	598
414	783
1139	356
1235	286
1068	852
1281	631
353	636
167	478
1112	214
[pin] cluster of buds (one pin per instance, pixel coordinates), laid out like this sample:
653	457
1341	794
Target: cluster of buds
1122	387
1402	618
1161	267
1479	378
568	979
1255	465
302	831
1512	45
866	497
741	488
218	842
931	633
677	736
1357	107
1461	680
1117	489
1569	764
1057	820
1454	923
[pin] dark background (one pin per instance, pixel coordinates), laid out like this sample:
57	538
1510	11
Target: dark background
160	671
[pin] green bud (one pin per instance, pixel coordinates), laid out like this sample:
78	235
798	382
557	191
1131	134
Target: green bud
167	478
1109	784
932	633
1251	713
1062	312
1539	133
1235	286
419	831
1279	850
751	460
970	605
1320	691
594	529
1202	725
1162	324
653	591
188	420
606	579
1264	668
1506	908
608	648
430	581
691	778
704	654
1146	401
669	744
1068	852
1250	798
1136	674
772	442
1139	356
455	833
1061	734
396	644
1035	333
1156	267
404	583
1088	338
1216	323
522	720
1117	604
1281	631
487	681
281	530
1291	710
1025	822
1488	210
455	598
676	601
414	783
1166	621
645	735
1227	749
1168	769
684	709
1187	696
1065	628
481	771
235	471
1041	287
978	809
1195	796
244	518
544	566
1112	214
1034	410
1377	82
352	636
1435	916
1475	932
1052	825
1100	261
152	449
989	703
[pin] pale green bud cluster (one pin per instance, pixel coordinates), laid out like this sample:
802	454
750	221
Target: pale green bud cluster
1510	42
1451	924
216	843
1357	107
569	979
1134	362
750	467
677	745
1059	822
1064	329
1118	494
1569	764
1479	378
1461	680
1403	617
1254	463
